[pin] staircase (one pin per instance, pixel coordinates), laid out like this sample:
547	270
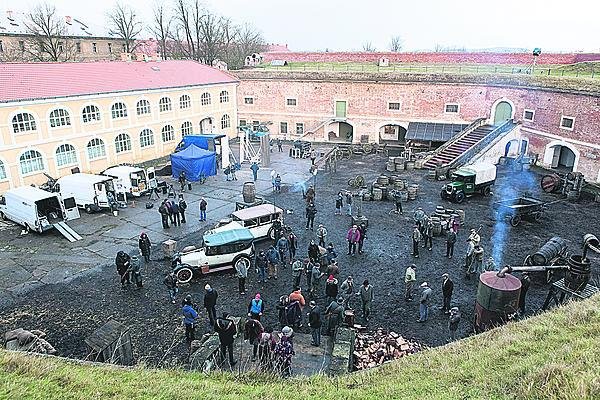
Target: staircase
454	150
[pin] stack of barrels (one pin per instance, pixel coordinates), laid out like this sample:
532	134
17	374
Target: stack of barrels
397	164
385	184
442	217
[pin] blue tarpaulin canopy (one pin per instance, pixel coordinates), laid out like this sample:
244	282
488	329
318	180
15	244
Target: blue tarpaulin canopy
204	141
196	162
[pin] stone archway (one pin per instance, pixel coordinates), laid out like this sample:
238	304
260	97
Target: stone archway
562	156
503	112
392	133
206	125
341	132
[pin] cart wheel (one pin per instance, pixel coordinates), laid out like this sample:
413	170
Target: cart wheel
351	182
537	216
515	220
359	181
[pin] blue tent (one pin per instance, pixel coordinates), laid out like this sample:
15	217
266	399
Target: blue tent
204	141
195	162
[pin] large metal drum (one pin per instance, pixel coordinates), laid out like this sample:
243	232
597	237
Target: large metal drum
497	300
249	192
550	250
578	275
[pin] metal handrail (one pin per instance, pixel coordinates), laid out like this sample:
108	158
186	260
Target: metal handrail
507	126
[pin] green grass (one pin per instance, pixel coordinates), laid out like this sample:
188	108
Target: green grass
552	356
581	70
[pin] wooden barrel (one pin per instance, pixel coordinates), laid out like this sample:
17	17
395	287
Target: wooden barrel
367	196
390	167
409	165
399	161
377	194
249	192
349	317
413	190
437	226
383	180
400	184
461	215
399	167
439	210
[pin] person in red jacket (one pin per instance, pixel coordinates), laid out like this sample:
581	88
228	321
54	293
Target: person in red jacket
353	237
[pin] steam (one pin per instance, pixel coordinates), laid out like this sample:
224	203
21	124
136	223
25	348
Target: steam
514	185
300	187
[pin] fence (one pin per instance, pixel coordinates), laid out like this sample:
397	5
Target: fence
573	70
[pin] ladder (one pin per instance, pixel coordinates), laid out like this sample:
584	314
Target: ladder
67	231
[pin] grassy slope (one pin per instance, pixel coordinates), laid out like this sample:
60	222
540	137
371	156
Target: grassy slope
552	356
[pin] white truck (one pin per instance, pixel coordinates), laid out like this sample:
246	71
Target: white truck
91	192
36	210
134	181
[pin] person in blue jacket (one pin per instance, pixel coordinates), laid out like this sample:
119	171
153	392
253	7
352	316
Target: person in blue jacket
189	318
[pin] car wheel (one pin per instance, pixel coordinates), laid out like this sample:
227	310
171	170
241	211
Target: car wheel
443	194
486	191
515	220
88	209
184	275
271	233
460	196
242	261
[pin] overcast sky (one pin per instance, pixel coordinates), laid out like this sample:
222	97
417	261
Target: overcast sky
346	24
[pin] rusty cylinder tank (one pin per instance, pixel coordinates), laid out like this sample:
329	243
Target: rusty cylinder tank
497	300
553	248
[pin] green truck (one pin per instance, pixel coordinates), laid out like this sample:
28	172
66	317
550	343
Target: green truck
469	180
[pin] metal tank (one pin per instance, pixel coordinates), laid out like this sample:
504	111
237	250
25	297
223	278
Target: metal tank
497	300
551	250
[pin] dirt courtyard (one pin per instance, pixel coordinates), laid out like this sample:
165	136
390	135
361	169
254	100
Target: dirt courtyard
69	312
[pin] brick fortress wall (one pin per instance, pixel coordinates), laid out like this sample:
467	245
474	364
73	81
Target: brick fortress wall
423	98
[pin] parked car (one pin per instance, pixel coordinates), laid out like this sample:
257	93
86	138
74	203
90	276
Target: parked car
258	219
470	180
222	248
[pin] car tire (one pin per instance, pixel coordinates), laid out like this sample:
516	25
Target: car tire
271	233
486	191
242	259
184	275
460	197
88	209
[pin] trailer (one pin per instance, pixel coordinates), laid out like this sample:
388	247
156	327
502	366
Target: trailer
515	210
130	180
91	192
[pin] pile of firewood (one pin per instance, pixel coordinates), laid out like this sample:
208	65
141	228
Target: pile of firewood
373	349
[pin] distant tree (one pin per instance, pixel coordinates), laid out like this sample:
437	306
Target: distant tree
161	28
396	43
49	39
125	24
368	47
248	40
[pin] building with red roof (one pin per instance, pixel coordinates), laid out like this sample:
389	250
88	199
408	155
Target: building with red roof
58	116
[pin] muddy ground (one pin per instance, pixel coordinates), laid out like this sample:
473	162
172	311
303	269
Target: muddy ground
70	312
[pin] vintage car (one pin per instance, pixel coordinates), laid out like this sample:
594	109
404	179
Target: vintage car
258	219
222	248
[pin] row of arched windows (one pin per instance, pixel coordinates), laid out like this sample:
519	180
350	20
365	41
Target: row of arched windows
25	122
32	160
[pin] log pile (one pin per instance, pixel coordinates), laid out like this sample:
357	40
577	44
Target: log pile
373	349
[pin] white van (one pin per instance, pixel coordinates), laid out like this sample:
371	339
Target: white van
33	208
91	192
258	219
132	180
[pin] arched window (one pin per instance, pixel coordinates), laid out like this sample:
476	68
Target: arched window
164	104
185	101
143	107
225	121
205	99
59	117
23	122
31	161
224	96
90	113
96	149
2	171
66	155
146	138
122	143
119	110
168	133
186	128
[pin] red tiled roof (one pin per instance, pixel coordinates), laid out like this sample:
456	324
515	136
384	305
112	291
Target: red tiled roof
29	81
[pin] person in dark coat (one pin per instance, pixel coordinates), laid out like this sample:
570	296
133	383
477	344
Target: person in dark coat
175	216
123	263
253	330
331	288
254	167
525	283
314	322
261	266
210	303
314	254
226	329
428	233
144	245
182	180
292	245
335	316
311	211
447	288
202	206
171	283
398	202
362	228
164	214
136	272
450	241
281	307
339	203
182	207
453	322
416	238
